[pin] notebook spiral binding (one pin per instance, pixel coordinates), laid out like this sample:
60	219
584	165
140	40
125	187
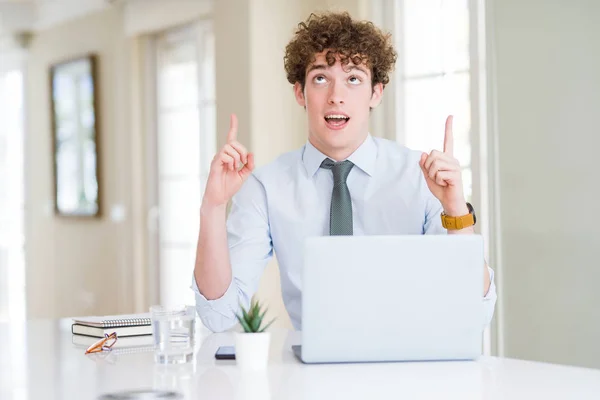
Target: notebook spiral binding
116	323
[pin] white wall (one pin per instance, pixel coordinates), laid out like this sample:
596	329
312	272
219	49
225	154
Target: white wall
251	82
78	266
548	96
278	122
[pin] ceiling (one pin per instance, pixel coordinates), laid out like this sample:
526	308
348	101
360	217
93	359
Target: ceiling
17	16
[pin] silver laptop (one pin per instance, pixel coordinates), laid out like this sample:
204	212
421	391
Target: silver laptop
392	298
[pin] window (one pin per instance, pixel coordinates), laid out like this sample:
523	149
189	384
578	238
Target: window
185	145
435	77
441	70
12	238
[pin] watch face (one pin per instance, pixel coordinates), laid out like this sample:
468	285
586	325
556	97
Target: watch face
472	211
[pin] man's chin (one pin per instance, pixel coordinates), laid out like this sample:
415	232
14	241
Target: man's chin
335	139
335	135
340	142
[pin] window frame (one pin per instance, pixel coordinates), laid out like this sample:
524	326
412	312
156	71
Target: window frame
483	133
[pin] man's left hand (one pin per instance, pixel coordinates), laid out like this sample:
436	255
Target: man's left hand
443	175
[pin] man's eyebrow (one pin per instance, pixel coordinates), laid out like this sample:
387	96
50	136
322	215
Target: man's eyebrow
316	66
357	67
347	68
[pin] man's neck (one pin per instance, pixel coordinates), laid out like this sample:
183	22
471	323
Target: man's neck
337	154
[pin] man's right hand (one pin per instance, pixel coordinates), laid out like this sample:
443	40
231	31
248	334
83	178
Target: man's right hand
226	177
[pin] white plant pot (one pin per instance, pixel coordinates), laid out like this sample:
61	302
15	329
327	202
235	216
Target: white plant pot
252	350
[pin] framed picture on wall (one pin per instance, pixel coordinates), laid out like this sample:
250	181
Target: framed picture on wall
74	111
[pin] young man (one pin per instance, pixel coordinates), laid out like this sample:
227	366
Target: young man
342	182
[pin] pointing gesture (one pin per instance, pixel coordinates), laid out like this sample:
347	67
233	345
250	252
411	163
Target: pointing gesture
449	137
442	173
230	168
233	147
233	128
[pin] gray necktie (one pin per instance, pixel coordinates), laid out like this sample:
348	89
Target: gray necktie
340	217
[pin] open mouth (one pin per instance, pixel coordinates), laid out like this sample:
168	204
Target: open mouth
336	121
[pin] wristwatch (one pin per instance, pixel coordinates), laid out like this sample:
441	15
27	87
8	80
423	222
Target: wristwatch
456	223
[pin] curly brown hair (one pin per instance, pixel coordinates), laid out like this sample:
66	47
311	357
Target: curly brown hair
356	41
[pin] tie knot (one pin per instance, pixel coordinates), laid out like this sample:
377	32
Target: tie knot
340	169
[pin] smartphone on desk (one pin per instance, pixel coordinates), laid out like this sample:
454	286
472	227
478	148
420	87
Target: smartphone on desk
225	353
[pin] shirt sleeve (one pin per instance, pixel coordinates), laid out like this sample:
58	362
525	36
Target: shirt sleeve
433	226
433	216
489	301
250	249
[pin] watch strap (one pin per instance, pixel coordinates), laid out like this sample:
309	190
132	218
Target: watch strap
461	222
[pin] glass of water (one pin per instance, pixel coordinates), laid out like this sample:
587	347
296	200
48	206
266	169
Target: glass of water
173	330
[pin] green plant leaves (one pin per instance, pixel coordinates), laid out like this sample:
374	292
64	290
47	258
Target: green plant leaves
251	319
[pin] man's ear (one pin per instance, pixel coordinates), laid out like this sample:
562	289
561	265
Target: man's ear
299	95
376	96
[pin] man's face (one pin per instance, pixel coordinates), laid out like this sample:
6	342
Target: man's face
337	100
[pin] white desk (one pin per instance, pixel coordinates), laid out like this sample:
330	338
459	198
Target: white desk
39	361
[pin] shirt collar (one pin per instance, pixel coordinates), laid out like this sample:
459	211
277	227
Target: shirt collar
364	157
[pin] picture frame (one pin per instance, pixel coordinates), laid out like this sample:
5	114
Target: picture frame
75	133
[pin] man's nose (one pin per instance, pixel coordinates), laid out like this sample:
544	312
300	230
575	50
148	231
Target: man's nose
336	93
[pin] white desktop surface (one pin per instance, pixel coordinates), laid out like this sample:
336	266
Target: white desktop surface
39	361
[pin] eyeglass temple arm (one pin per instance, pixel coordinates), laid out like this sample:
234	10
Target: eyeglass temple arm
99	345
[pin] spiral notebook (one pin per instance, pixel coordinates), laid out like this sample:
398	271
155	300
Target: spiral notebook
124	325
114	321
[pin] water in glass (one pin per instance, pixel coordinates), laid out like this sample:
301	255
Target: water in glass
173	329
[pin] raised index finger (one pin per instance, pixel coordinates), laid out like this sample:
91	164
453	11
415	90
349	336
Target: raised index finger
233	128
449	137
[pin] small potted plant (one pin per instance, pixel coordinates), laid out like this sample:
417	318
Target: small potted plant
252	345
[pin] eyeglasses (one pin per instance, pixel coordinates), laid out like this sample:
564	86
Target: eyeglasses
104	344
